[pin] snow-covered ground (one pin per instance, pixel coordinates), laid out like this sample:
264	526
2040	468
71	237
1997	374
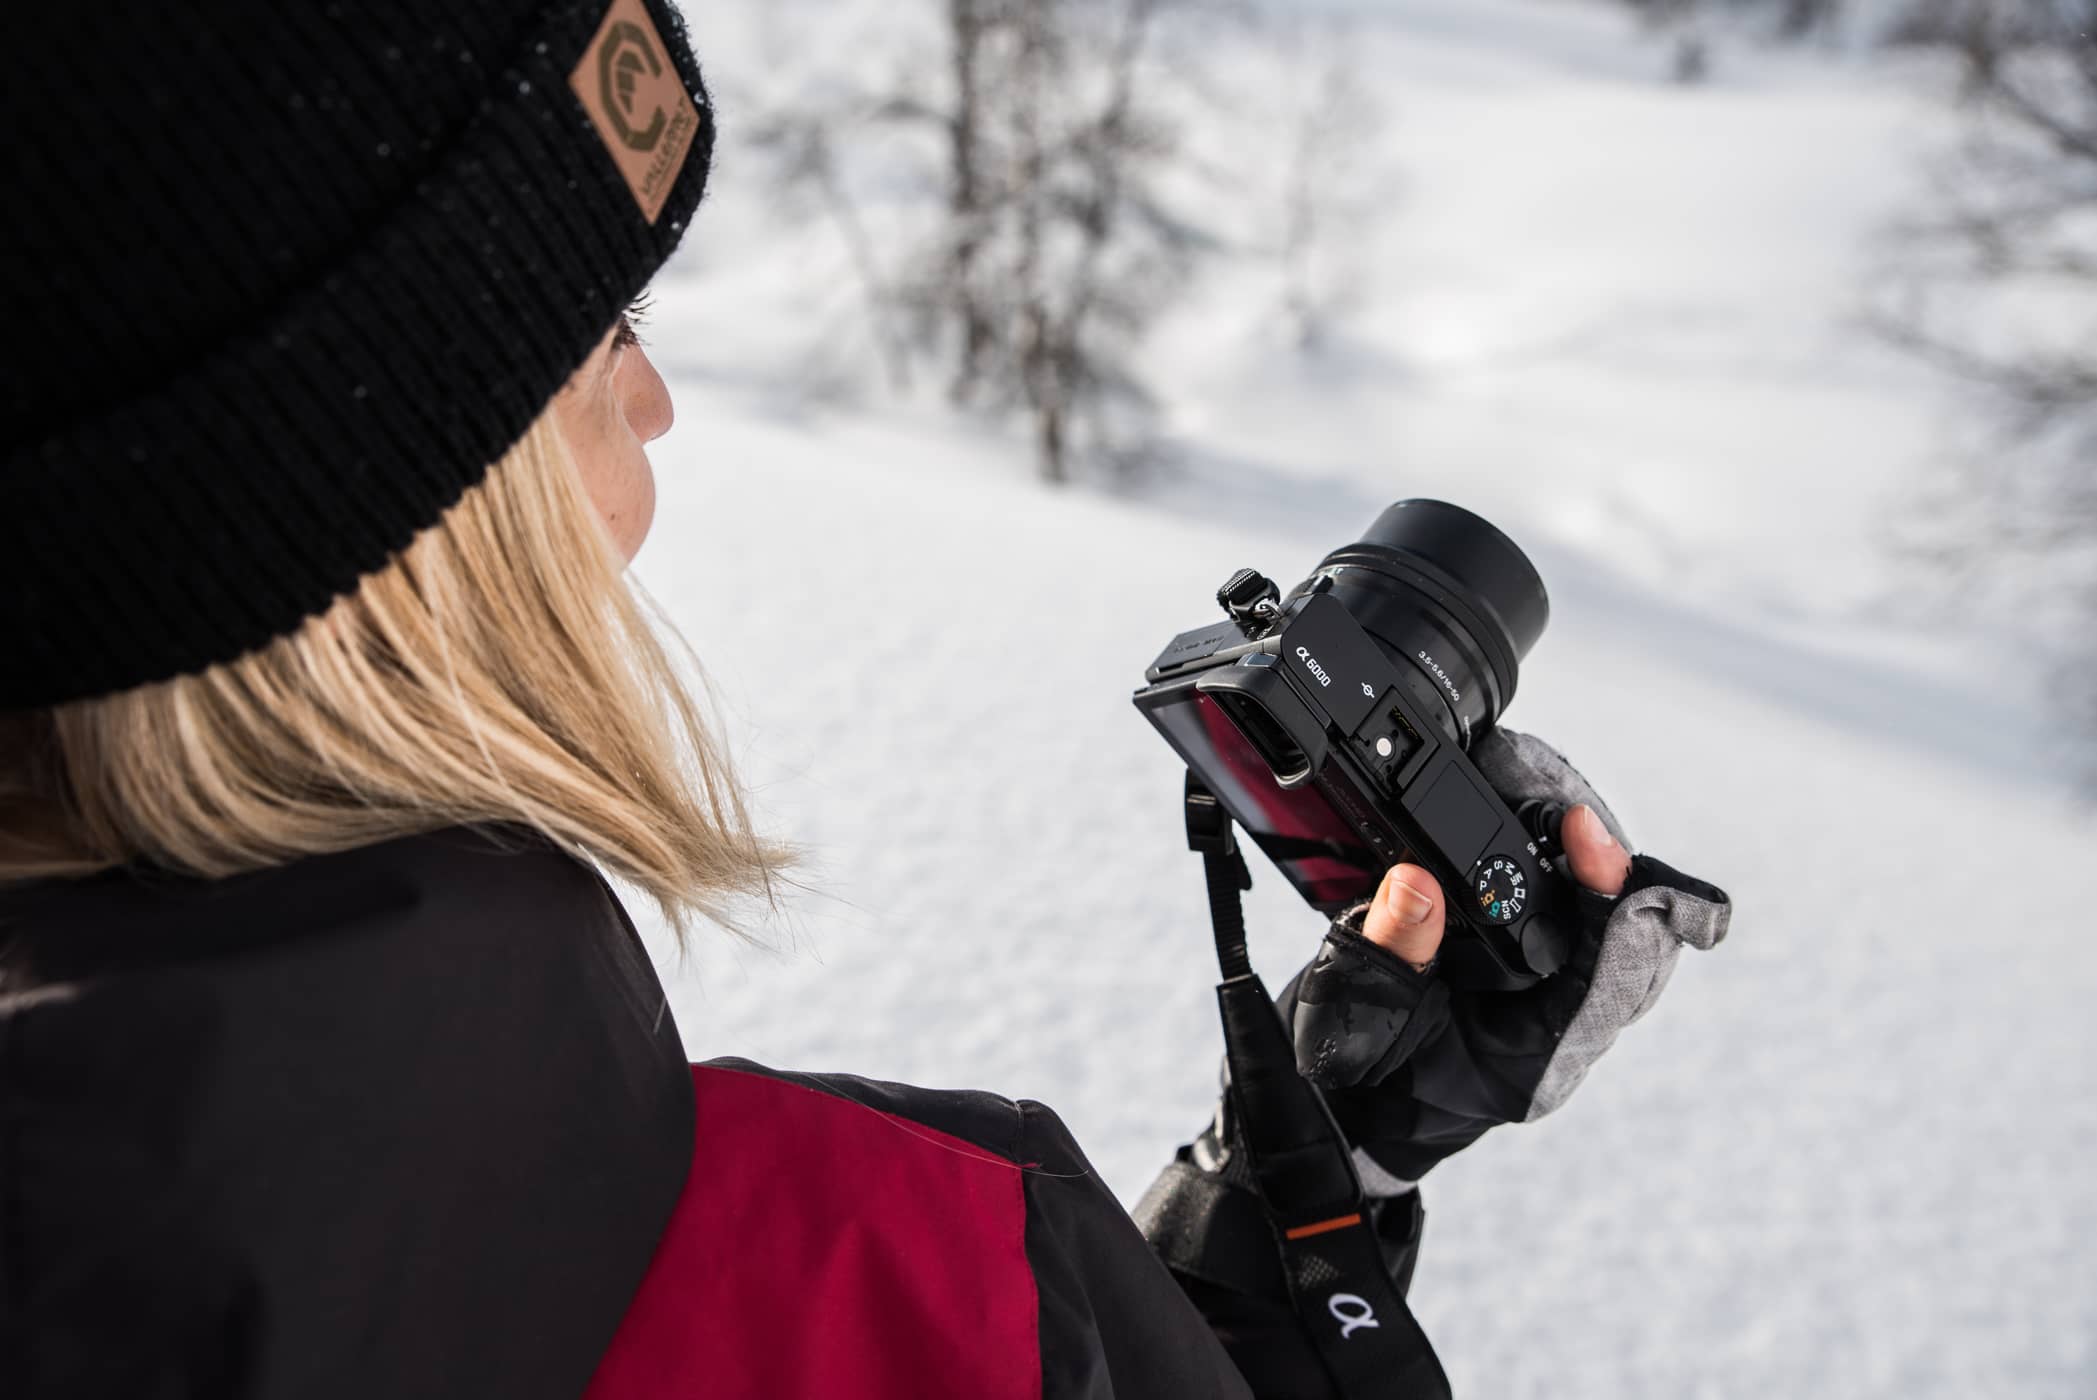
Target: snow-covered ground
1849	1153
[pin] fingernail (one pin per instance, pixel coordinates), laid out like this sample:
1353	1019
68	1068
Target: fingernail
1408	904
1599	827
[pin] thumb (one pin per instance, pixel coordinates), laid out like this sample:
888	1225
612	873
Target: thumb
1598	861
1408	915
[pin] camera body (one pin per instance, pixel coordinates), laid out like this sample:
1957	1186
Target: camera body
1341	755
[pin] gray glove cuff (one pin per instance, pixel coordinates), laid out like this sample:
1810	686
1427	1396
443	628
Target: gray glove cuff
1661	911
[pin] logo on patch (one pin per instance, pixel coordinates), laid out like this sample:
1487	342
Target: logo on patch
637	102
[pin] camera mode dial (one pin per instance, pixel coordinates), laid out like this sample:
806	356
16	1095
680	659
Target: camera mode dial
1501	889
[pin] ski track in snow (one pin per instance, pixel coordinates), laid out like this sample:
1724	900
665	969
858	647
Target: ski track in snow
1848	1154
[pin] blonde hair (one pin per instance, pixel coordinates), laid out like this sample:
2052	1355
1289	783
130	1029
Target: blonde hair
500	669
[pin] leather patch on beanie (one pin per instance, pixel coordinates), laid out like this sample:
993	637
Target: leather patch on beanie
630	86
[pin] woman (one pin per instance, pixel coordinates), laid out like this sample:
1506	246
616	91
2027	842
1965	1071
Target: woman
331	1063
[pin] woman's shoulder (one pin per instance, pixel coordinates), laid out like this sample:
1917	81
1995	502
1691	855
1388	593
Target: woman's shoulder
974	1122
145	918
849	1235
402	1119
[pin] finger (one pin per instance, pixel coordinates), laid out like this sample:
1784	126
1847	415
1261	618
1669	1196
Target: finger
1408	916
1598	861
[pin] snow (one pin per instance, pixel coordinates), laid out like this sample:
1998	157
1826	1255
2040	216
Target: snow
1848	1153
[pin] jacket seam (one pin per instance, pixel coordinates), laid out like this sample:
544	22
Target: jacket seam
13	1245
1038	1384
984	1154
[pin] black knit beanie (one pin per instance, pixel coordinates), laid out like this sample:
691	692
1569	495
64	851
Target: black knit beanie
279	279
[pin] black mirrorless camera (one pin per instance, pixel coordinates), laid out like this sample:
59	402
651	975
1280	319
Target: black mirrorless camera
1334	726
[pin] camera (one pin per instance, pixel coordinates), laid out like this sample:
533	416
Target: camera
1335	725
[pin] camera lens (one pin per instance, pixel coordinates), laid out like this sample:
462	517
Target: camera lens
1446	591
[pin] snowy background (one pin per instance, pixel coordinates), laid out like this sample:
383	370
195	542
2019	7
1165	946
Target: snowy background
1850	1153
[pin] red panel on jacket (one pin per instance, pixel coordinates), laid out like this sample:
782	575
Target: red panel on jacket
824	1248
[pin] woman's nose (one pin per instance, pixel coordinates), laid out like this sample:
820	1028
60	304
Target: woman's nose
644	397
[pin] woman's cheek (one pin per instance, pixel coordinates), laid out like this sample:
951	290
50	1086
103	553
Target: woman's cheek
643	509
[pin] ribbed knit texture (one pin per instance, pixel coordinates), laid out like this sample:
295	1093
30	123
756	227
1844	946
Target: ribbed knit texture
278	280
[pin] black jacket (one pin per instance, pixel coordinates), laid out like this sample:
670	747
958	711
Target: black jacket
414	1119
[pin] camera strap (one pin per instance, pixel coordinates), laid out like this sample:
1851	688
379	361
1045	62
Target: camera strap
1302	1166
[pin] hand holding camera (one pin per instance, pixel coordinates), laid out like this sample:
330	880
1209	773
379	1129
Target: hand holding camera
1414	1069
1352	729
1491	932
1409	915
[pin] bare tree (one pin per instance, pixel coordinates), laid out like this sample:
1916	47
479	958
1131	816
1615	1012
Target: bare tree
1335	115
1056	247
1802	19
1042	125
803	142
1979	31
1998	285
970	26
1691	24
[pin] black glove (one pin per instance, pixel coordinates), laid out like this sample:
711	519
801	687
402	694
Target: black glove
1415	1070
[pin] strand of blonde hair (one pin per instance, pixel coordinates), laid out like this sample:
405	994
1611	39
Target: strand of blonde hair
501	669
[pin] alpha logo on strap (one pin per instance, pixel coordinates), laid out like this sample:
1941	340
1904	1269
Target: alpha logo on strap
637	102
1353	1312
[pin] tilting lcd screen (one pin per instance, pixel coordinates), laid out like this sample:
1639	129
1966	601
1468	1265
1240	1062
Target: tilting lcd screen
1301	834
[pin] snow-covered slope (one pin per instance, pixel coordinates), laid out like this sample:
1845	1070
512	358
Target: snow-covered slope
1848	1154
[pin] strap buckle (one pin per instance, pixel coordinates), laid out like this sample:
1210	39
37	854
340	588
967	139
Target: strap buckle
1209	830
1353	1311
